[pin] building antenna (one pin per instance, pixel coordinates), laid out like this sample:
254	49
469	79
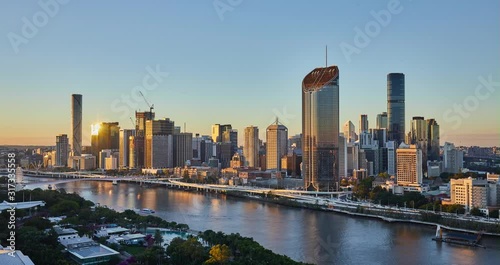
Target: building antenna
326	55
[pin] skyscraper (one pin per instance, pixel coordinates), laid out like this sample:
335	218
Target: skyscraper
158	144
349	132
418	130
320	128
251	146
363	123
218	131
231	136
183	148
382	120
277	145
140	132
432	139
104	135
76	125
396	107
62	147
124	147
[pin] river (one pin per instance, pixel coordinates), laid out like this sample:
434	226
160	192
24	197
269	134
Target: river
304	235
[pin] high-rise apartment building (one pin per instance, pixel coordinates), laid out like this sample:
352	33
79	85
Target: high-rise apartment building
62	147
320	129
396	107
76	124
277	145
453	158
251	146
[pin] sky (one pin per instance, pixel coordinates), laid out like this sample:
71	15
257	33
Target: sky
242	62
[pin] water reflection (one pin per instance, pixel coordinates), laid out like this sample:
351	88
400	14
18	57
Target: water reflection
311	236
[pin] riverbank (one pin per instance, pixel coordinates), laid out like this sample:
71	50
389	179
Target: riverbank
391	216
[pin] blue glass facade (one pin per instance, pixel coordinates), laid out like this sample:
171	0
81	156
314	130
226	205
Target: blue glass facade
320	129
396	107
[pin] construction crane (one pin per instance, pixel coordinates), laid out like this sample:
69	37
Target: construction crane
151	106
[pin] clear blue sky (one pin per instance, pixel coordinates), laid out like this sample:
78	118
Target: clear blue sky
247	67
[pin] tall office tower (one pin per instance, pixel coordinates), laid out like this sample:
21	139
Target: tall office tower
218	130
320	129
183	148
216	133
251	146
124	147
363	123
382	120
432	140
350	132
62	146
277	145
396	107
132	159
140	133
391	158
409	165
342	156
418	130
231	136
76	125
104	135
453	158
352	157
158	147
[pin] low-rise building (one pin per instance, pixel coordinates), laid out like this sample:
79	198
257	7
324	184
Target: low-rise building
14	257
85	251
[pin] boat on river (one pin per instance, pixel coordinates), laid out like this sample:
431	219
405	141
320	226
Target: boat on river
145	211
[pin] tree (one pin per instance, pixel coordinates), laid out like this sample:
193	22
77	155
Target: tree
219	254
158	238
476	212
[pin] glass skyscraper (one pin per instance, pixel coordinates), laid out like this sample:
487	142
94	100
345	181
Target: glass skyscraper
396	107
320	129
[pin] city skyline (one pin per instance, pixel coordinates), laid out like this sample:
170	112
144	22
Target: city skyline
233	72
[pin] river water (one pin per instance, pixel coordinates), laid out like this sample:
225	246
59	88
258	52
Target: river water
304	235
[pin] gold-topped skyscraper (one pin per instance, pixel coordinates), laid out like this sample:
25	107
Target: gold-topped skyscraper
320	129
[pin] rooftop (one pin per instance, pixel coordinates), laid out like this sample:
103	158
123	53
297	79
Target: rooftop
90	249
64	231
319	77
15	258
